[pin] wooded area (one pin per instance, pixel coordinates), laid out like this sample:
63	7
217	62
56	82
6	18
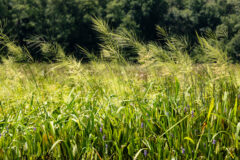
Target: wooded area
69	23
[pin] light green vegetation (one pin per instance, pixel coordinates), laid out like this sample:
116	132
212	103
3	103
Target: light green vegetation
164	107
57	111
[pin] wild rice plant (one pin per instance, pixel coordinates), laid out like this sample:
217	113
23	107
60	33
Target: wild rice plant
19	53
108	110
48	51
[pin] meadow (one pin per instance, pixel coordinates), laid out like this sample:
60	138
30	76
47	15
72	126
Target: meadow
165	106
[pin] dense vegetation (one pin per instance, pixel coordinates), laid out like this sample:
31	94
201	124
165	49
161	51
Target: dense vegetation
159	82
68	23
163	106
107	111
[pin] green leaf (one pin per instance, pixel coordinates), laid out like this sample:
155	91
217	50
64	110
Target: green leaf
137	154
237	134
210	108
235	107
55	144
189	139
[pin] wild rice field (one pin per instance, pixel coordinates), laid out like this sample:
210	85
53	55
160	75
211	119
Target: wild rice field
70	110
168	104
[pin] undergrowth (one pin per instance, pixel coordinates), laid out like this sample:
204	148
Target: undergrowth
165	106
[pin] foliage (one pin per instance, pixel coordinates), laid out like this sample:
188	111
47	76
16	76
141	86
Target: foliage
101	110
164	107
234	47
68	23
160	85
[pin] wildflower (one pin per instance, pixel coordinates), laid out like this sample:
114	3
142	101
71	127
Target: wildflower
0	135
34	128
185	109
101	128
183	150
204	144
167	113
106	146
145	153
142	125
214	141
104	137
188	106
192	113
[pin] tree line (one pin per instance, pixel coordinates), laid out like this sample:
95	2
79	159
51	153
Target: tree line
68	23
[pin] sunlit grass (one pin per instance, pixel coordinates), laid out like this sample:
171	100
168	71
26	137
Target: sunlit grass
160	104
110	111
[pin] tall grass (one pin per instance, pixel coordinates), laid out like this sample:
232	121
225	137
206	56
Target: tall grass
163	107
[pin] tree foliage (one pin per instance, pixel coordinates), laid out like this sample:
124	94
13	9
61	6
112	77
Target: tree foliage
69	22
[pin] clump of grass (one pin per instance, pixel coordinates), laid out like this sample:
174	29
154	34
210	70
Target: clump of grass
12	50
114	44
47	50
212	51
